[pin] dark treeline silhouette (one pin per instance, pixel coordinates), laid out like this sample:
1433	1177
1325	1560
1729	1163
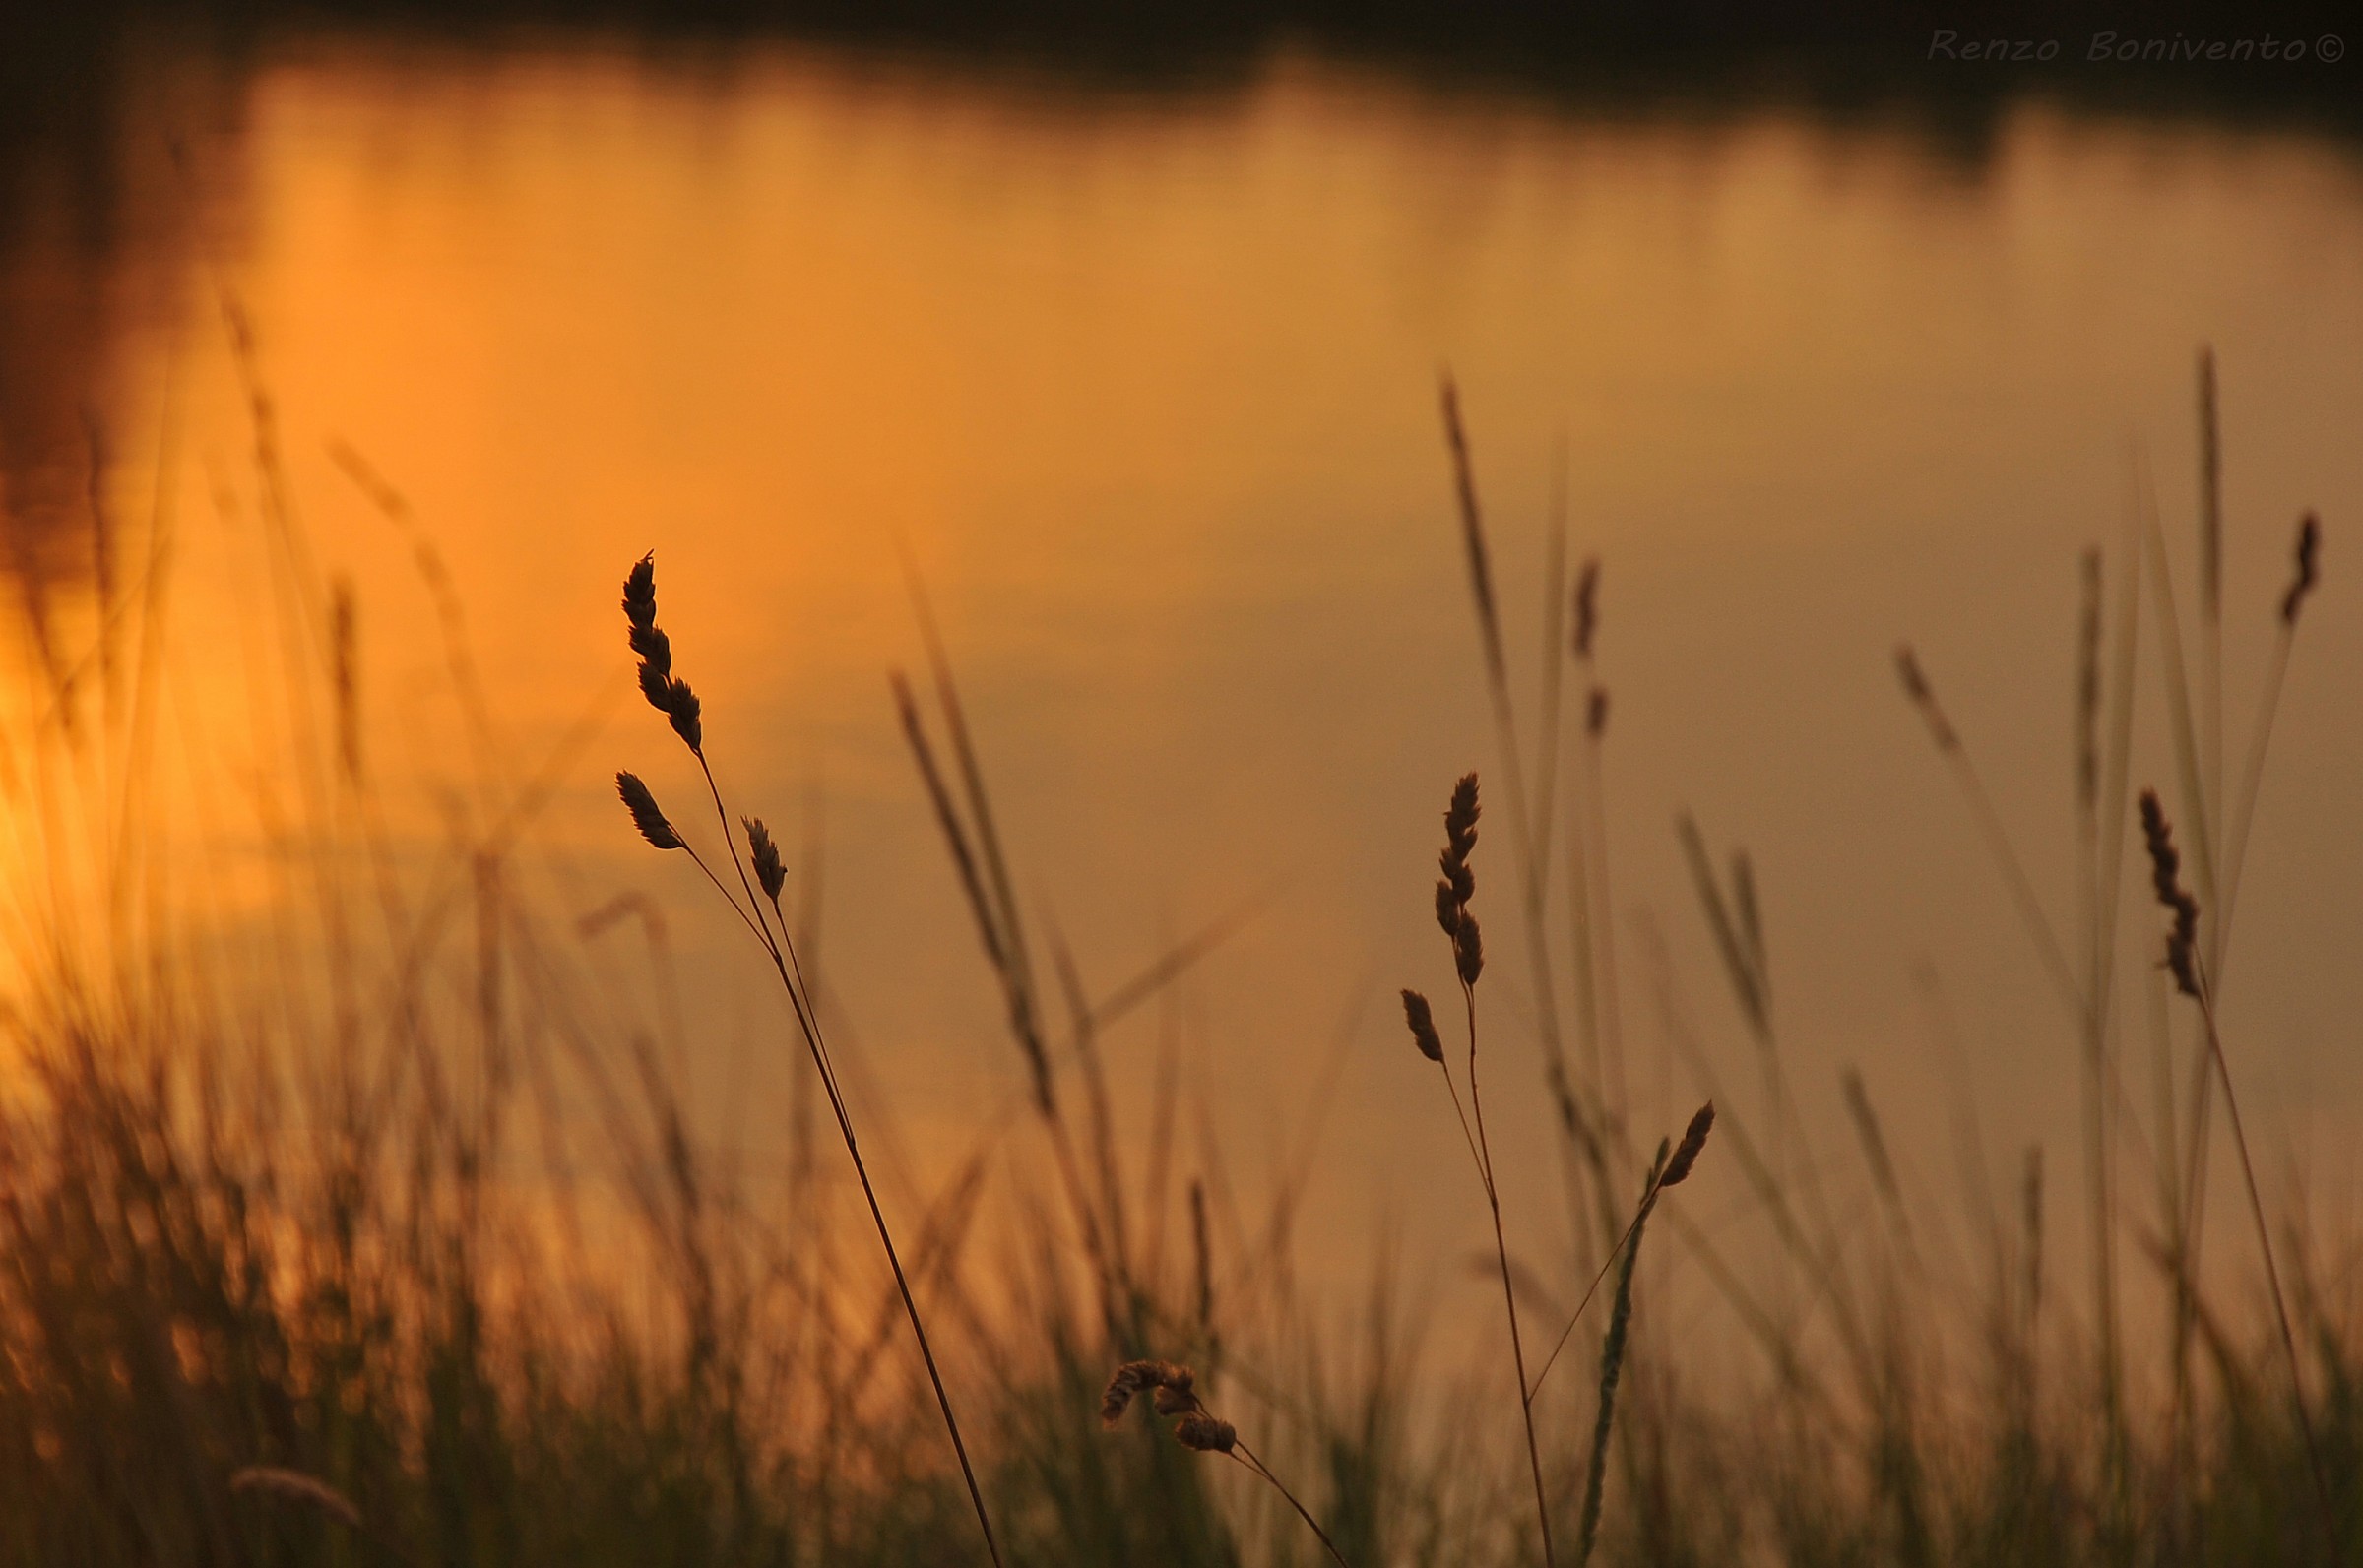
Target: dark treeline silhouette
1683	53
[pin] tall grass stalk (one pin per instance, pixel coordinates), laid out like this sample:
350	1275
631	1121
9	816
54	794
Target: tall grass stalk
2188	965
2304	573
1528	833
1453	890
2086	999
674	698
1612	1368
1662	1175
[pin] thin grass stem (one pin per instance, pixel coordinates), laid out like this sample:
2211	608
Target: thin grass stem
1510	1295
2272	1273
2252	781
1244	1454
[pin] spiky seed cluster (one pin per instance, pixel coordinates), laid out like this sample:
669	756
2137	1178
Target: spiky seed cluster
645	814
770	871
2309	565
1916	687
1458	883
1468	950
2165	876
1204	1433
1168	1380
666	695
1422	1019
1174	1393
1685	1153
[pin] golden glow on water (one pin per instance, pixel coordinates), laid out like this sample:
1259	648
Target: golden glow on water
1148	390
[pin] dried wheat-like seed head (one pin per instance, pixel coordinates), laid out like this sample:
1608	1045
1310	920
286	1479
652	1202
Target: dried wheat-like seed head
1457	884
1468	949
1134	1376
1460	817
655	649
645	814
770	871
1685	1155
1588	606
666	695
2165	876
681	707
1422	1019
1207	1434
640	597
1129	1379
2308	568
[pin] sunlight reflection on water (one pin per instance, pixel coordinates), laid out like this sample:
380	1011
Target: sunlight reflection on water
1147	390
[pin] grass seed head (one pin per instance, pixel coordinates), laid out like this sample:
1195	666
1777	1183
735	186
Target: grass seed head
1422	1019
1588	606
1458	881
2308	568
1447	906
1204	1433
1457	884
1134	1377
655	649
770	871
681	707
1460	818
2165	876
670	697
1468	949
645	814
1685	1155
640	594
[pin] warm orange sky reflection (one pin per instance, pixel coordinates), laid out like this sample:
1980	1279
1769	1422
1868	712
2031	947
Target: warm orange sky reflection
1149	393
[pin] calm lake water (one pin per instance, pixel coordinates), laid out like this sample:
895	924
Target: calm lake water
1144	383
